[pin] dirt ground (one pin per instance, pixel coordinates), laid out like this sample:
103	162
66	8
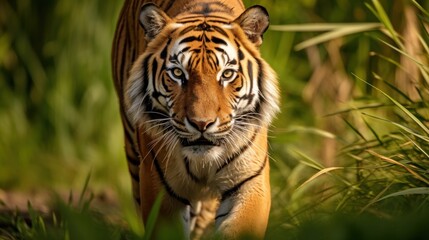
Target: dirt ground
42	201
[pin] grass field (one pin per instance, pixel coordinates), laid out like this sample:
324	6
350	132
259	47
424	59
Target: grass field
349	152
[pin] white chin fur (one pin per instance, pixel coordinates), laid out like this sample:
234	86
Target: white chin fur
203	153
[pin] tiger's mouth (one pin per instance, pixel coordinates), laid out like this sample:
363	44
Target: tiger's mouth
202	141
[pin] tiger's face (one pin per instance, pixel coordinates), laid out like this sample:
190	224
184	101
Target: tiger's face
205	90
201	85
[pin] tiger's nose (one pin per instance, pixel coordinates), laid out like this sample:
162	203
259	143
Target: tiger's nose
201	124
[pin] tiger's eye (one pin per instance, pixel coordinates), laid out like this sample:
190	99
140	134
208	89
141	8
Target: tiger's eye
227	73
177	72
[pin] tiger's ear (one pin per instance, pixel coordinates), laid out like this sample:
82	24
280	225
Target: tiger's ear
153	20
254	21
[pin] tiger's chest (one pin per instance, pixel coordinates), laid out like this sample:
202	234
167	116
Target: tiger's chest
190	179
198	180
193	180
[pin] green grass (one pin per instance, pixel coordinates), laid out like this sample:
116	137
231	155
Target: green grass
349	152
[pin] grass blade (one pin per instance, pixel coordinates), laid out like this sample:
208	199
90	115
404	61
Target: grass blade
418	147
337	33
311	130
354	129
406	129
307	160
318	174
400	106
153	215
392	161
411	191
420	7
85	187
379	12
373	131
420	64
320	27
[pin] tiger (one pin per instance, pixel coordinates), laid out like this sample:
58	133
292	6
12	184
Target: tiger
196	100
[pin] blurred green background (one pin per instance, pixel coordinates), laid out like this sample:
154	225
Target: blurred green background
58	113
352	136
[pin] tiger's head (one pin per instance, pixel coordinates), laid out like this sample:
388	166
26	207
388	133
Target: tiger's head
201	86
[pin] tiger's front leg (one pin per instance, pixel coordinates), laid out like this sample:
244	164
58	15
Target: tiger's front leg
202	220
245	212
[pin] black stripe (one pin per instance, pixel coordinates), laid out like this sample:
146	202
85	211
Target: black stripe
240	55
250	72
260	74
220	50
217	59
127	61
248	97
228	193
190	39
220	30
239	152
170	104
164	51
164	182
133	161
145	74
193	61
222	215
128	136
186	30
133	157
185	49
170	4
212	61
154	71
138	201
120	59
128	133
217	21
197	62
121	72
134	176
189	21
189	172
